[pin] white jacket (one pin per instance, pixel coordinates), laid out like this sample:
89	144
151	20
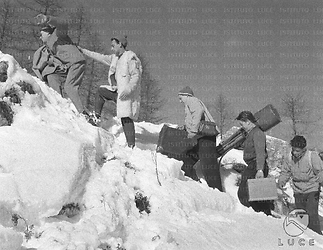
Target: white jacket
128	70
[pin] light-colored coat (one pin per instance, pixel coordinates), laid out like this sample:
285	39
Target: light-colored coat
193	115
128	70
44	63
306	174
195	111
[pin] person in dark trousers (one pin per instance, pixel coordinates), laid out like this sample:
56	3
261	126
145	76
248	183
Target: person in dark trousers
123	86
198	147
305	169
59	62
255	155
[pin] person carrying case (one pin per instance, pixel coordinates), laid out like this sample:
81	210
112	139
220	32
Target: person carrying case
172	141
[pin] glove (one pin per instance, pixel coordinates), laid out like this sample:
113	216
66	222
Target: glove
259	174
41	19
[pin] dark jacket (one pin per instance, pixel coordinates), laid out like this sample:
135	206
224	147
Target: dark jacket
254	148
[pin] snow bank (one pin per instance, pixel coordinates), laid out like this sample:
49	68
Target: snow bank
9	239
51	155
43	184
110	213
15	75
47	154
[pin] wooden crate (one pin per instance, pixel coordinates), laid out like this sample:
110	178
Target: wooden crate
262	189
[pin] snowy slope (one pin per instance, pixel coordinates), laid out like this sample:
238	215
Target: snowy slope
182	214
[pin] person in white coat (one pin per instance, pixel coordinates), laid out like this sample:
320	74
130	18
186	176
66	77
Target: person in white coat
123	86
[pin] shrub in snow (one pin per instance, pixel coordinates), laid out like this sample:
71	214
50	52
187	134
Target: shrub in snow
6	114
12	95
106	246
26	87
16	93
9	239
3	71
15	74
28	231
70	210
142	203
129	165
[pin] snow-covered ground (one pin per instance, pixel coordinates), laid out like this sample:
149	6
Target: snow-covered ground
51	157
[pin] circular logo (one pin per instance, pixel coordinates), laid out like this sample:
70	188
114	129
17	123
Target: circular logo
296	222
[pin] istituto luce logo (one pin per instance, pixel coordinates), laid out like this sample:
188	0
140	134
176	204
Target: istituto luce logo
296	222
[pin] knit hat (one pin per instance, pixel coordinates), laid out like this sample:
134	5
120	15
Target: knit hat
298	142
186	91
246	115
49	29
121	39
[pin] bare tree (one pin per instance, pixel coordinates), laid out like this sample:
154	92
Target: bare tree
80	28
297	110
95	74
46	7
7	16
151	96
25	38
224	113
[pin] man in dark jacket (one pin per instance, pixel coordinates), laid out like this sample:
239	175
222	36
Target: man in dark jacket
62	57
255	155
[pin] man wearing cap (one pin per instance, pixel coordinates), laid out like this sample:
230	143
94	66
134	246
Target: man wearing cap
255	155
123	86
305	169
59	62
198	147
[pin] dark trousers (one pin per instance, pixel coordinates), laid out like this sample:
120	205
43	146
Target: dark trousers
102	95
249	173
310	202
205	151
129	130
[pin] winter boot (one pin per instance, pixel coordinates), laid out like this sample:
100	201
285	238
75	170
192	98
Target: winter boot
94	119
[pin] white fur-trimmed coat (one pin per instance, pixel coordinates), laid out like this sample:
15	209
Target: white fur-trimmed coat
128	71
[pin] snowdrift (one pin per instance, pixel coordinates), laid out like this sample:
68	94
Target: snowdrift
135	200
43	184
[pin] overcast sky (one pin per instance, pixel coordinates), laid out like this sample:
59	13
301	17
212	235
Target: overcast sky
253	52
